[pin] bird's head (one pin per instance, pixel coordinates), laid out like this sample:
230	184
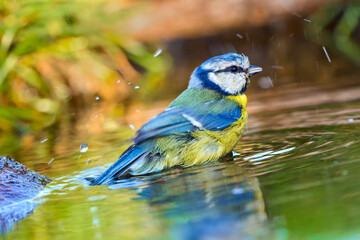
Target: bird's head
227	74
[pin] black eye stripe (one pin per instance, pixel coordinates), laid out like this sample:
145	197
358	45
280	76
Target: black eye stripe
229	69
234	69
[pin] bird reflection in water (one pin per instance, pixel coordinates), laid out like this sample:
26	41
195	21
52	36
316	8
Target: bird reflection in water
214	201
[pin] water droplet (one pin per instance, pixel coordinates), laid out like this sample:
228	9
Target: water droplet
136	87
118	81
132	126
83	148
96	116
93	209
235	154
350	120
326	53
51	160
237	191
158	52
137	110
265	82
129	83
97	98
44	140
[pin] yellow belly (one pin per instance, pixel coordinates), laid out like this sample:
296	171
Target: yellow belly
210	145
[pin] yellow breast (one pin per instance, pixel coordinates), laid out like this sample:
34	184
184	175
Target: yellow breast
211	145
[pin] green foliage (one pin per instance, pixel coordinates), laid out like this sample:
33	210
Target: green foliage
338	25
56	51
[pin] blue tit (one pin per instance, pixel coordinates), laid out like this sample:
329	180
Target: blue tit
201	125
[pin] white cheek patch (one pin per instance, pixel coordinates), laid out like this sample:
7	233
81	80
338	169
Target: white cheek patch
229	82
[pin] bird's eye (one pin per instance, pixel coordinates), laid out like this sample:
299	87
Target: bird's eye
234	69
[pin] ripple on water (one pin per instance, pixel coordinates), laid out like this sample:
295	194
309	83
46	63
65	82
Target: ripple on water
316	181
291	178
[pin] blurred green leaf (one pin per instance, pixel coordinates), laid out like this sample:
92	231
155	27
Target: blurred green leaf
337	26
56	52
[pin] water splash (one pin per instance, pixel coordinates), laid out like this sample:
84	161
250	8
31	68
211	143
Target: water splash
83	148
51	160
157	52
239	36
326	53
265	82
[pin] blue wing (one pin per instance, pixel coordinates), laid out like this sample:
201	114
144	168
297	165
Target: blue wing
175	120
132	154
193	110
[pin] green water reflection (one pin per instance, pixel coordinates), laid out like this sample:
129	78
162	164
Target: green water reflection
287	183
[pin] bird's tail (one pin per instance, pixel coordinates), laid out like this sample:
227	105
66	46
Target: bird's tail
131	155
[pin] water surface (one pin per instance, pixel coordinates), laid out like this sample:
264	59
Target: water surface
287	180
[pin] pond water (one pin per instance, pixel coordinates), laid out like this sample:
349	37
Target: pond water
286	183
294	175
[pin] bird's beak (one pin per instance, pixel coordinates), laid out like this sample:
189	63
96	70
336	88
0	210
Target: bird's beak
253	70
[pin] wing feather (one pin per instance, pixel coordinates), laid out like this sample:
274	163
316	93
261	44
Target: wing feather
209	115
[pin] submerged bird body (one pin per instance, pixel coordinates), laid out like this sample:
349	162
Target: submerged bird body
203	124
